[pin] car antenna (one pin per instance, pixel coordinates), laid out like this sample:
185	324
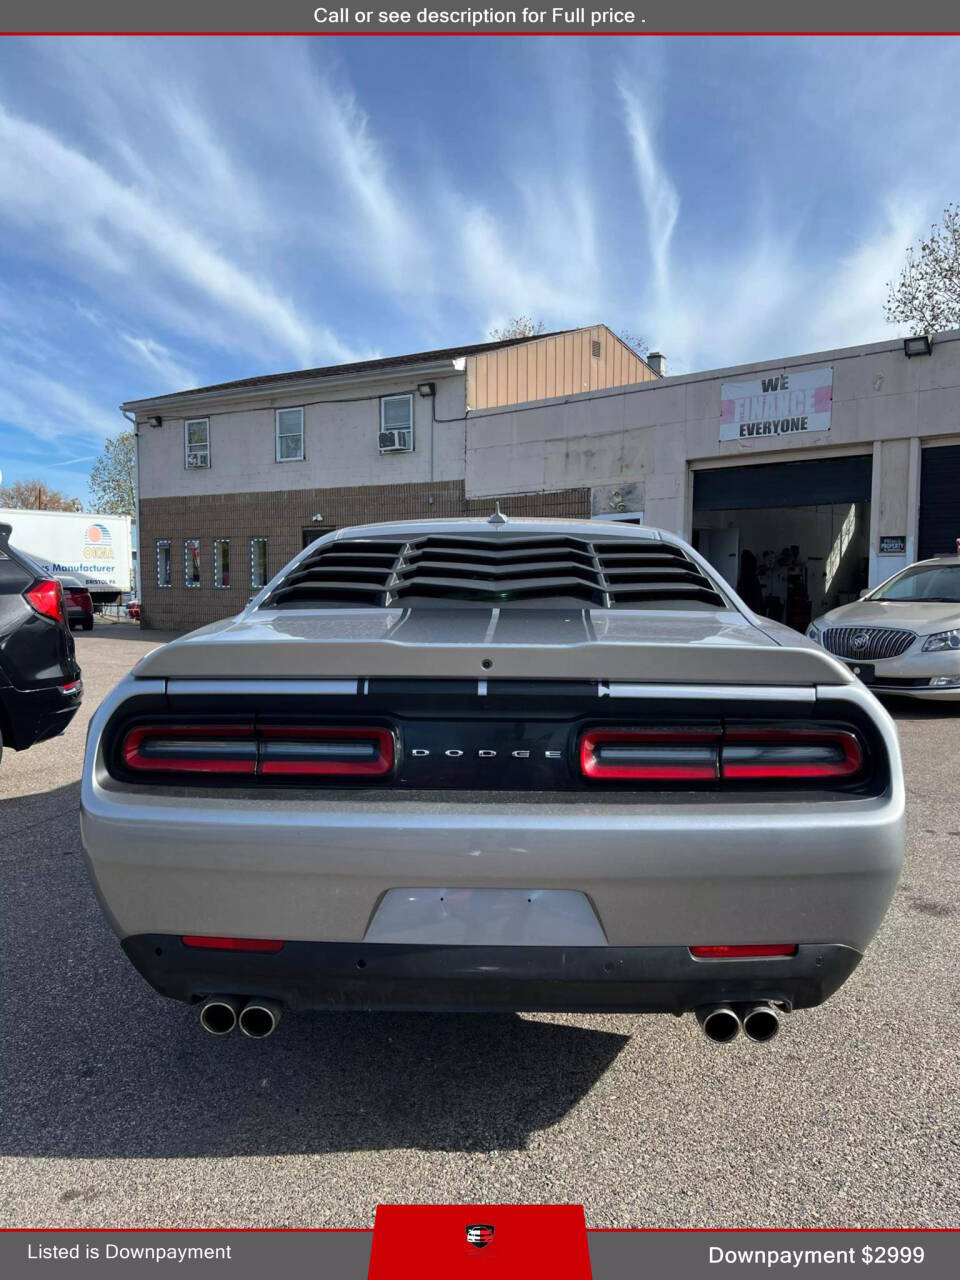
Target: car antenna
498	517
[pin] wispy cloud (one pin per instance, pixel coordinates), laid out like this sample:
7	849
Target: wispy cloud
157	357
661	201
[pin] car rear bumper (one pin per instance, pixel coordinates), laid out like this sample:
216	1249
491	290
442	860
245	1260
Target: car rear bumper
336	975
37	714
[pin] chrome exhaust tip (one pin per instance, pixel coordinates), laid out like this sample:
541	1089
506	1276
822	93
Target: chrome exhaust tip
218	1014
259	1018
719	1023
761	1022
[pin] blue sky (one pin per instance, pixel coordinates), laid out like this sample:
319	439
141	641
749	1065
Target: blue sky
175	212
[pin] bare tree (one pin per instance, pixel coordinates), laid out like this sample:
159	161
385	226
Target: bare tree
926	294
518	327
525	326
634	342
112	480
34	495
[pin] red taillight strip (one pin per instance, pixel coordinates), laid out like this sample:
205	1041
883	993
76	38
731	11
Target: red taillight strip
772	768
200	940
239	749
739	951
660	745
137	742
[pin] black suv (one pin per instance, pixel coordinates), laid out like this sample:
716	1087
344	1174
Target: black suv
40	685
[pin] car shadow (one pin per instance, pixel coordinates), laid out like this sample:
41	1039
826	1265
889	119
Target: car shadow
96	1064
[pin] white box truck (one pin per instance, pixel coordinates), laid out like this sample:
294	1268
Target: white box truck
95	548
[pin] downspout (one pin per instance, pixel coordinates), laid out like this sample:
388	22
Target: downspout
131	418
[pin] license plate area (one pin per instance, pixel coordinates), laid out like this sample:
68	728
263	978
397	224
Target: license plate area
864	671
486	917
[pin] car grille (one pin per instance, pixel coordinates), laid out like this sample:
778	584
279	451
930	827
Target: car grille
879	642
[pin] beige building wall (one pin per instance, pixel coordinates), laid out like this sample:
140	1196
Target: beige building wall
645	441
563	364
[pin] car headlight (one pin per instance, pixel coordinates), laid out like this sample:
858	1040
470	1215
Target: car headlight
813	633
942	640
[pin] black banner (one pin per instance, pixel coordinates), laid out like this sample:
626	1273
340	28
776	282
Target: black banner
286	17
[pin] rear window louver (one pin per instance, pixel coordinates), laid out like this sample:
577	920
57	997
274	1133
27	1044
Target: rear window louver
436	570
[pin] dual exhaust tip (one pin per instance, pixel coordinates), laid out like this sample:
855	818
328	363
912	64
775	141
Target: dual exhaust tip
722	1023
220	1015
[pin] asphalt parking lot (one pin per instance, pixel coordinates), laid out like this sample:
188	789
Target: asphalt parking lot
117	1110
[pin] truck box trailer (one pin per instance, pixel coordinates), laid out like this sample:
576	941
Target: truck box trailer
95	548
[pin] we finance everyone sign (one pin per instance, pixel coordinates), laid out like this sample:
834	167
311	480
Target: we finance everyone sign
777	404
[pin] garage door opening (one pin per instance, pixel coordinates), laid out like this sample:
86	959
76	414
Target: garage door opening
792	538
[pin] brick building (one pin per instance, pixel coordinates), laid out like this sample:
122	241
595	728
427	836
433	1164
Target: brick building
234	479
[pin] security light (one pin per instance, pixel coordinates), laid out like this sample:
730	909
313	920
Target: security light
427	388
918	346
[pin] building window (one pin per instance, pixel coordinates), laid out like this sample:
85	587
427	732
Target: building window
191	562
396	424
258	562
196	443
164	563
221	562
289	435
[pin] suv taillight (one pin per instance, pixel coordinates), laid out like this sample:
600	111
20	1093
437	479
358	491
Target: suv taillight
47	598
280	751
741	753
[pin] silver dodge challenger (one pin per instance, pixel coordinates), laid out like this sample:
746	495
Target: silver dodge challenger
494	765
902	637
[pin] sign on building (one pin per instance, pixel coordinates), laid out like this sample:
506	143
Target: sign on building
777	404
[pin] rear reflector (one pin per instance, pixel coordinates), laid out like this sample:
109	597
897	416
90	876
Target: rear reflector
740	952
790	753
652	754
281	751
47	598
231	944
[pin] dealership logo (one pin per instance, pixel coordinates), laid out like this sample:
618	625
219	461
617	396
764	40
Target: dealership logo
480	1234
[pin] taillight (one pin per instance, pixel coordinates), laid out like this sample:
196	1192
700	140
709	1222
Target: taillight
206	943
764	753
342	750
738	951
191	749
279	751
651	754
47	598
790	753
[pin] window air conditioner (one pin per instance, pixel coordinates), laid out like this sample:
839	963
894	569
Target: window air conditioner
398	441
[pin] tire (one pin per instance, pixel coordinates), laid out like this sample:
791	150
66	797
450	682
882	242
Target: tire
87	624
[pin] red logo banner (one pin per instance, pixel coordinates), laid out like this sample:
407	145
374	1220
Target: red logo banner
479	1242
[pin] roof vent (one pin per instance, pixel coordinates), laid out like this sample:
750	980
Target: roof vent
658	363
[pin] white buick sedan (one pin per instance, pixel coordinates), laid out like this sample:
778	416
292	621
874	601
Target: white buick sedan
904	636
